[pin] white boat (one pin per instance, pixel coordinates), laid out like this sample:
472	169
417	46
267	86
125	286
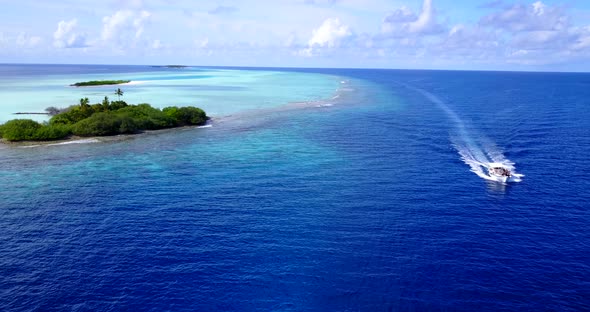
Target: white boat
500	172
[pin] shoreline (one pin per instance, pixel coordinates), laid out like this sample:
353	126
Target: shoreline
95	139
329	101
130	83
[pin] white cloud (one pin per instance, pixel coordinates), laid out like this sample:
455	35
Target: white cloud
401	15
534	34
426	22
290	41
539	8
403	22
202	47
66	37
24	40
33	41
541	39
383	31
467	43
156	44
139	21
3	40
519	53
470	38
63	29
112	24
203	44
535	17
329	35
124	26
539	29
583	39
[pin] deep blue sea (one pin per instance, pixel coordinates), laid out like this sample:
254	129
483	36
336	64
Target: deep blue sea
372	201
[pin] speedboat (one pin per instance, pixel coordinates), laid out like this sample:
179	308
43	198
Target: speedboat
500	172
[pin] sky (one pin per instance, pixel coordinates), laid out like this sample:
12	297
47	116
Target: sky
533	35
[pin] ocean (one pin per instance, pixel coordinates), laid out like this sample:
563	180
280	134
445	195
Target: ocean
310	190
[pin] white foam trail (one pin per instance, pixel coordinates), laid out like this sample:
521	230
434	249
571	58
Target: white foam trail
324	105
478	154
81	141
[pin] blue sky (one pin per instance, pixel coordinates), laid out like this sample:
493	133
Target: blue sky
437	34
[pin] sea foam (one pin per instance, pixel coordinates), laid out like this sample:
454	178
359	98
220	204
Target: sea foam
477	152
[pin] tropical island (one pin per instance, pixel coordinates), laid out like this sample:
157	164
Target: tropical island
170	66
99	83
101	119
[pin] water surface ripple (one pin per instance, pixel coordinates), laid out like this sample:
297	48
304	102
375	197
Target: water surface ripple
360	206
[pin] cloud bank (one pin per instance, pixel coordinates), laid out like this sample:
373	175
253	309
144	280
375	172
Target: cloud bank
364	33
330	34
66	37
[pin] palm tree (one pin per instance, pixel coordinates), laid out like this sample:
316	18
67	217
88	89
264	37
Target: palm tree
105	104
84	102
119	93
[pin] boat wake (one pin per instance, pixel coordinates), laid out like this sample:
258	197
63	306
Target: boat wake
477	152
479	159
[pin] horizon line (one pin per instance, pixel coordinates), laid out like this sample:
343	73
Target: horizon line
313	68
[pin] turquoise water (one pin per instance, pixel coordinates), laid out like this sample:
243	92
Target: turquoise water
371	200
220	92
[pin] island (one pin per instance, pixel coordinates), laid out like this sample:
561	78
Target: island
102	119
99	83
170	66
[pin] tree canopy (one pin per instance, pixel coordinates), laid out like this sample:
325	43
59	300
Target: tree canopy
99	83
106	118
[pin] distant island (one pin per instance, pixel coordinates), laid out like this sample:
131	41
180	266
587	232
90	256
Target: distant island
99	83
170	66
101	119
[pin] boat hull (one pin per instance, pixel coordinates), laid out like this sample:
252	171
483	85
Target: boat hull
505	179
502	173
500	179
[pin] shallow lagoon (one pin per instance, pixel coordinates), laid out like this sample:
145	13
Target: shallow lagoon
219	92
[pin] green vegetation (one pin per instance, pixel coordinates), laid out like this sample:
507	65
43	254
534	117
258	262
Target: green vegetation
99	83
119	93
29	130
52	110
101	119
